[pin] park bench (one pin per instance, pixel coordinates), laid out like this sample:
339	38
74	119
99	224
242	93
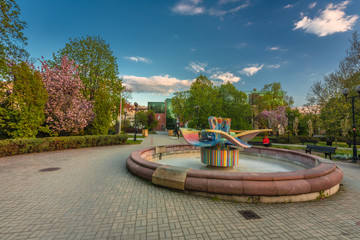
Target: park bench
309	141
323	149
257	143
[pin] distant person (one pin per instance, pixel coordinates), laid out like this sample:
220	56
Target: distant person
178	132
266	141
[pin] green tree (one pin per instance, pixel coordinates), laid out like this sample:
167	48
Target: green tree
291	114
12	38
98	71
179	104
22	103
327	93
333	114
146	119
273	96
206	97
235	106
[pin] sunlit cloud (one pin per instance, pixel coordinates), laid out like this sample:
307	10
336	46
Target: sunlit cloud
196	67
331	20
163	84
226	77
289	6
138	59
249	71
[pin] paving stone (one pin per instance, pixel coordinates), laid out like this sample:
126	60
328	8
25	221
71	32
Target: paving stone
93	196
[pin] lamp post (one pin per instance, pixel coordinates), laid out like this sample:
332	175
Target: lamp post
125	112
346	92
196	108
120	108
136	108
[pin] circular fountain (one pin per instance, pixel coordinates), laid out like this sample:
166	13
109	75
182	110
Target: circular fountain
299	177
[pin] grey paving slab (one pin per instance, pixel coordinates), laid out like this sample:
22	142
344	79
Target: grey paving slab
93	196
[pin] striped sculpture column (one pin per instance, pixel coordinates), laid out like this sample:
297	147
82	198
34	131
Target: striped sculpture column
220	157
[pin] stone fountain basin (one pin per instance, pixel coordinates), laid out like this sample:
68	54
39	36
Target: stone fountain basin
321	179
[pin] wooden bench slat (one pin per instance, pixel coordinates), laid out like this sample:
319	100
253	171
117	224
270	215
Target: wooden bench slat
323	149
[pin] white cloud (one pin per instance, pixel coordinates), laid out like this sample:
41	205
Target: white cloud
331	20
226	77
312	5
227	1
138	59
249	71
273	66
196	67
188	7
275	48
289	6
194	7
219	13
193	49
241	45
163	84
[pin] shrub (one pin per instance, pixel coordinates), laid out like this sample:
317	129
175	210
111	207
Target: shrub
19	146
305	138
285	139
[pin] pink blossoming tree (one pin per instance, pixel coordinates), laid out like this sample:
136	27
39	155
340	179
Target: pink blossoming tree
67	110
276	119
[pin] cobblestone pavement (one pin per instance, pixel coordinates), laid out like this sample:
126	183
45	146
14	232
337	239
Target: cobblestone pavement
93	196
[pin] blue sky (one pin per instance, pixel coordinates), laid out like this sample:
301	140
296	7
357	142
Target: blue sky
162	46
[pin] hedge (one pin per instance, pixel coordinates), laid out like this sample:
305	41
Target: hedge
10	147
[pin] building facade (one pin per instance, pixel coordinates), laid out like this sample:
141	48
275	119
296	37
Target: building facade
164	114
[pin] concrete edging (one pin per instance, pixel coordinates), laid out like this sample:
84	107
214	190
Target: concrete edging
321	179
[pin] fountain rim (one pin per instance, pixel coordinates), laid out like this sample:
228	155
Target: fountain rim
322	179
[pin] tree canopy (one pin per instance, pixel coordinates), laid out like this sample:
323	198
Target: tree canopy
12	38
67	110
22	103
204	100
98	71
327	93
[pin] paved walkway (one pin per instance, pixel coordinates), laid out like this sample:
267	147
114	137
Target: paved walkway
93	196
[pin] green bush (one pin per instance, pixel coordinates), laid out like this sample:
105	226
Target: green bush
305	138
285	139
19	146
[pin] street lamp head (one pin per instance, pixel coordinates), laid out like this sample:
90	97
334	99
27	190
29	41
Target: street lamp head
357	89
345	91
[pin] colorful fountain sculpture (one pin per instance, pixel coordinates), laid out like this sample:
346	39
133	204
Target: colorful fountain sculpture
219	145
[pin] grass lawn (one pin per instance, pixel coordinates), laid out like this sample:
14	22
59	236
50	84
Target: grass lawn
131	135
338	151
133	142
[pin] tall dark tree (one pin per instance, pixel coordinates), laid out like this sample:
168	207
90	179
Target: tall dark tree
12	38
98	71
